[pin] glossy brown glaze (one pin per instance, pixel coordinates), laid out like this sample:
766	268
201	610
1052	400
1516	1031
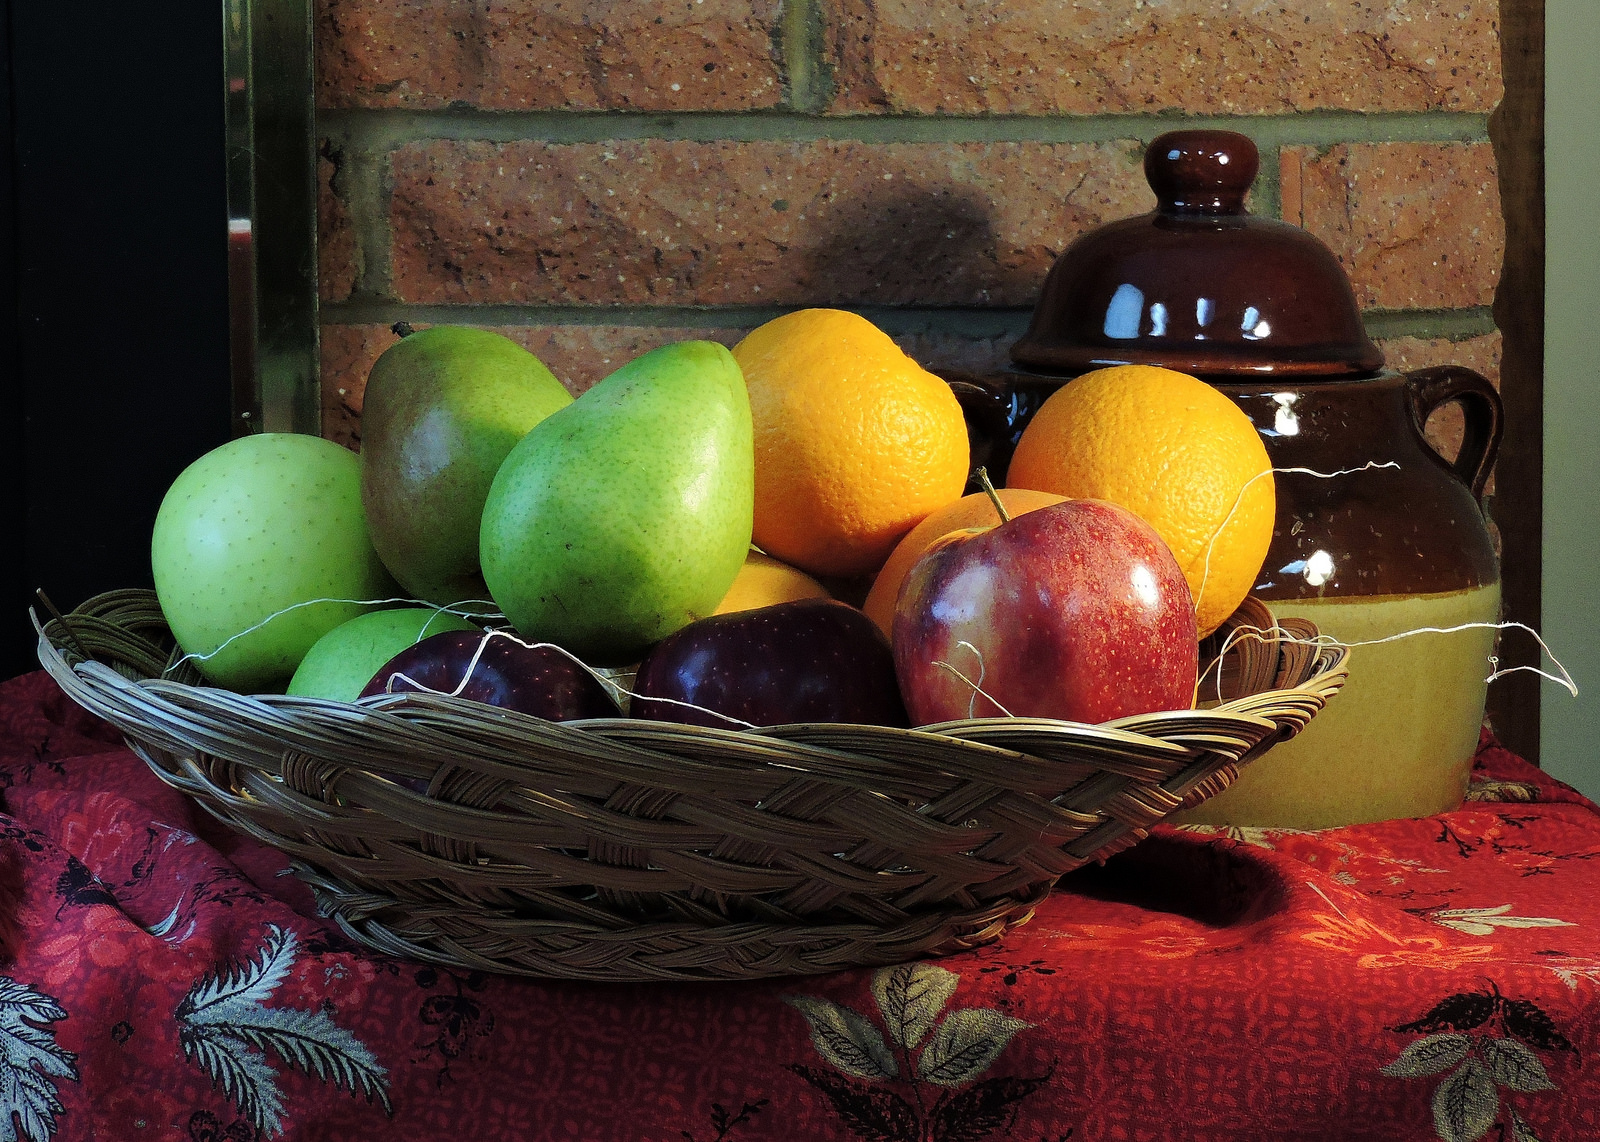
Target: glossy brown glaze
1413	529
1199	284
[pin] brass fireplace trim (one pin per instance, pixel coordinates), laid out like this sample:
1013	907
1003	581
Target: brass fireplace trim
270	122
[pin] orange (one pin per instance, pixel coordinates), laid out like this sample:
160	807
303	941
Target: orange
1172	450
764	582
975	510
855	442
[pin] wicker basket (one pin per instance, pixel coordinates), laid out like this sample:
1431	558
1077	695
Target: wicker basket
624	849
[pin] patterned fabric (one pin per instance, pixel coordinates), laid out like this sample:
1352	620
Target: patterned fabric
163	978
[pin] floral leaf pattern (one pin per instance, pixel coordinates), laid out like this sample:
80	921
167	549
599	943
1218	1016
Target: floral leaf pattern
1493	1043
244	1075
1460	1012
965	1044
1520	1130
1431	1056
1465	1105
944	1060
846	1039
1483	921
1522	791
985	1107
911	997
244	983
225	1027
1513	1065
1527	1022
875	1114
29	1060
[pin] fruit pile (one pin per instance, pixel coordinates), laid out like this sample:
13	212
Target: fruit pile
687	521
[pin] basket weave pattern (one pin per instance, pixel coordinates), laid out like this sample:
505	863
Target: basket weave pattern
625	849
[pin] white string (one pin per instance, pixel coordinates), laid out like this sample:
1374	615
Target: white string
977	687
1314	888
600	677
1323	640
458	609
1238	500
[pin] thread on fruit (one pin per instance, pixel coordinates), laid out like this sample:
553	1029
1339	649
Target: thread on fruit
1324	641
1205	575
457	609
605	680
977	687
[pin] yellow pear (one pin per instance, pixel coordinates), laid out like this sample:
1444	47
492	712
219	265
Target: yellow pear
764	581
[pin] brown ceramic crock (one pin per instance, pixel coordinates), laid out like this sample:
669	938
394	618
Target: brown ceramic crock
1378	535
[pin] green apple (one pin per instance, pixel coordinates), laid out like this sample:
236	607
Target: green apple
341	663
626	515
442	408
246	539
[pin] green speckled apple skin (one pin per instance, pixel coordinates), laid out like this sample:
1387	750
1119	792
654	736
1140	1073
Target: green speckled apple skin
256	526
626	515
341	663
442	408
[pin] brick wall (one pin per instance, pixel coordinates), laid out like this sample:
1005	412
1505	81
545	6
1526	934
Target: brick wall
596	177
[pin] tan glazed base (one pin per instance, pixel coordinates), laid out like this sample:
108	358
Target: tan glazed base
1398	741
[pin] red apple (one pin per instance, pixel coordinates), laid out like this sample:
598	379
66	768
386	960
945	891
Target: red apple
812	660
1075	611
538	680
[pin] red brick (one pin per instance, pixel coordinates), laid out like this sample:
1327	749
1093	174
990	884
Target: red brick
687	55
1416	225
804	223
1049	57
347	355
1481	354
338	260
580	355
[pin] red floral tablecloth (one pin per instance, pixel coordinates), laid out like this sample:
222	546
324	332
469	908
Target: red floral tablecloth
1440	978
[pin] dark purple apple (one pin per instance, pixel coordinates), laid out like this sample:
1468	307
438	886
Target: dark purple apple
814	660
1075	611
541	681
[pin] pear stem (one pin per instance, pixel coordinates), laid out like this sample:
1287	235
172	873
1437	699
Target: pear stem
994	496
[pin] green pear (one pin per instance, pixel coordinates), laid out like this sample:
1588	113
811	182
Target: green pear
443	407
626	515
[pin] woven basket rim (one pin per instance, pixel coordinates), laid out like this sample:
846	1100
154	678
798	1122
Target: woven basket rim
744	862
1330	663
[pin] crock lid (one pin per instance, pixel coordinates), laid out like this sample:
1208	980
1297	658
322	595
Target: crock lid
1199	284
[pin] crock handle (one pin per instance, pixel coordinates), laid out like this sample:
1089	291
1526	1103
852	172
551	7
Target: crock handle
1480	407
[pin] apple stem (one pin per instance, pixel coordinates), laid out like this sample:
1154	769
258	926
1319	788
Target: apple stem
994	496
402	329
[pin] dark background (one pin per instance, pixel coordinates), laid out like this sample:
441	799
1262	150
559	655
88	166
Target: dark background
113	289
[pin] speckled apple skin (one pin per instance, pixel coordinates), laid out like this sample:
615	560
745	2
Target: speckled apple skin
1076	611
812	660
253	528
538	681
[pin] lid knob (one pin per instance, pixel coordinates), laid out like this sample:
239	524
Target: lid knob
1201	172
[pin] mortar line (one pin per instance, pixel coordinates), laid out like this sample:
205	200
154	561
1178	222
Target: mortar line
382	130
1266	196
973	323
365	179
798	35
1448	324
